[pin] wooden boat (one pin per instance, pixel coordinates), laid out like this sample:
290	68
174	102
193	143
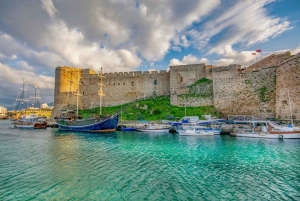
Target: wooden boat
154	128
69	120
266	129
28	121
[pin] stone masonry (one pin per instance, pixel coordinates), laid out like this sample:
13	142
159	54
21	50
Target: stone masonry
260	89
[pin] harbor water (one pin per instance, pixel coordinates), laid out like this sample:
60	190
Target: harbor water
54	165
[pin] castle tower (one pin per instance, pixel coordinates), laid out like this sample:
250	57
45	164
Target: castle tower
66	85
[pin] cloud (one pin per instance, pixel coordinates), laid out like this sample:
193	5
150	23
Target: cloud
48	6
245	22
296	50
12	79
189	59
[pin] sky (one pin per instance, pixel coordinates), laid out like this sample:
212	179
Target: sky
36	36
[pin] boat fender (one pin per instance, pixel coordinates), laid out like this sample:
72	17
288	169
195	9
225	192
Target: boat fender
280	137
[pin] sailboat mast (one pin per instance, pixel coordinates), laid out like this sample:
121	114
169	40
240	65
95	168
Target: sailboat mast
100	91
77	92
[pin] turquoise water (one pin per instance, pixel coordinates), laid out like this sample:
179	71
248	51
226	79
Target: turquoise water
54	165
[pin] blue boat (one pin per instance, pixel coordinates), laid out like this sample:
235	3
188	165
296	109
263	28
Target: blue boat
124	128
69	122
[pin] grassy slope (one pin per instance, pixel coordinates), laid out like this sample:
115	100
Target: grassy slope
157	109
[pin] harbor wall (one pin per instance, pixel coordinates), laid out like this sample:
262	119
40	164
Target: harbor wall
288	88
254	90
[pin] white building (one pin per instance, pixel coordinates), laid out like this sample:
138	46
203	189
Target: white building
3	110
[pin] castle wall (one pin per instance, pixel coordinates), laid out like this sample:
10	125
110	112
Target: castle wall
259	89
288	88
123	87
181	77
244	92
270	61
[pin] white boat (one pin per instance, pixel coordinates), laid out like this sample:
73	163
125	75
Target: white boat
266	129
30	121
196	130
154	128
211	125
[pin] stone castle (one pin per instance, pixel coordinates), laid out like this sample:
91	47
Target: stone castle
269	88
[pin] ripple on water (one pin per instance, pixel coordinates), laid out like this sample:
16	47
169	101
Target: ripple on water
50	164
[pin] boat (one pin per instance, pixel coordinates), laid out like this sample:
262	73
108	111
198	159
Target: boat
207	125
125	128
154	128
196	130
69	120
30	121
266	129
25	120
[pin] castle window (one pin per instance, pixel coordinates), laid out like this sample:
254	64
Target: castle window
82	93
123	83
132	83
155	82
181	79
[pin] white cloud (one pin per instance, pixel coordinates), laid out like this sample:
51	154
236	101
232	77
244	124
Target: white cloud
189	59
177	49
246	22
296	50
223	62
48	6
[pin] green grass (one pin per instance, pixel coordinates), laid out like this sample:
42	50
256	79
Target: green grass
157	109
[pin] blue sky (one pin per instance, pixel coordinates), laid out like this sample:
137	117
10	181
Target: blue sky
36	36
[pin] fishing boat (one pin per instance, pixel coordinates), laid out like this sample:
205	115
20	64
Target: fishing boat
69	120
196	130
154	128
25	120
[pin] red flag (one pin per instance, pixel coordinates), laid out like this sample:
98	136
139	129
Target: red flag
253	53
258	50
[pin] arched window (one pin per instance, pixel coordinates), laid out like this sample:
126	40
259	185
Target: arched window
132	83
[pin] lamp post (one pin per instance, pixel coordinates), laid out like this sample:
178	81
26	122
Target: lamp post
290	105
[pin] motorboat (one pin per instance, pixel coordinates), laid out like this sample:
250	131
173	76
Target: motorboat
266	129
196	130
154	128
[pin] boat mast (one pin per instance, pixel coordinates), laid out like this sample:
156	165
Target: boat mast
100	91
77	92
22	97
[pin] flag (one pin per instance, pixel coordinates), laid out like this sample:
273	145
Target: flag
258	50
253	53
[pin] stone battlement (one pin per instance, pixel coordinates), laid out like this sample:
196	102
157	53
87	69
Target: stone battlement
259	89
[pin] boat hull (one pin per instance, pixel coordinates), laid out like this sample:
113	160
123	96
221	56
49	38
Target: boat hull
108	124
154	130
268	135
197	133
